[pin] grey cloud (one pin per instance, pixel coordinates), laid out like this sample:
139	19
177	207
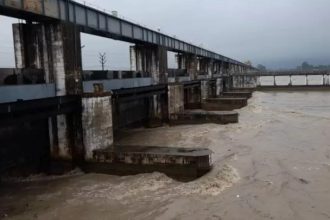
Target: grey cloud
278	34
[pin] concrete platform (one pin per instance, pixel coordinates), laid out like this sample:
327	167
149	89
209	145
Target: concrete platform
223	104
242	90
203	117
180	163
237	94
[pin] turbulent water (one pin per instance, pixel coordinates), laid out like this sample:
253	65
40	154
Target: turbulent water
274	164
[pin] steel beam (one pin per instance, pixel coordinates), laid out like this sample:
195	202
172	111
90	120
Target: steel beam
97	22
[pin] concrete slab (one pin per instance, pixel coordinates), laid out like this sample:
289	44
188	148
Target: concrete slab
180	163
223	104
203	117
242	90
237	94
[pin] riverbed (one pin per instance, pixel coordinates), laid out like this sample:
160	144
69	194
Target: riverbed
273	164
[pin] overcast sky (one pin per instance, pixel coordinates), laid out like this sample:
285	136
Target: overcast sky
277	34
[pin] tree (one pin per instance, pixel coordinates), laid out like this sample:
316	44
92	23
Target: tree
102	59
261	67
248	62
305	66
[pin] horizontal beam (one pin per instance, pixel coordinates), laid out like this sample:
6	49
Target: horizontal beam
23	111
97	22
113	84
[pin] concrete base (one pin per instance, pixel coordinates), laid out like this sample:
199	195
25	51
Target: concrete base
203	117
223	104
237	94
242	90
180	163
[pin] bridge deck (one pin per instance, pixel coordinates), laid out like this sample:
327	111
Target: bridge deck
97	22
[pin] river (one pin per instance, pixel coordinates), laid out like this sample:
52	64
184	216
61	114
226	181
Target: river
273	164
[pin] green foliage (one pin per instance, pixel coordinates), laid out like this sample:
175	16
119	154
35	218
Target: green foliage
306	66
261	67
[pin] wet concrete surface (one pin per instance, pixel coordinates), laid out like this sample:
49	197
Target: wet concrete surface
274	164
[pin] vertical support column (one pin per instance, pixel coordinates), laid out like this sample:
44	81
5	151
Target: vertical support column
290	83
175	100
181	61
219	86
274	80
258	81
188	62
55	47
210	68
192	64
65	51
19	45
204	89
30	47
133	58
150	59
97	123
306	79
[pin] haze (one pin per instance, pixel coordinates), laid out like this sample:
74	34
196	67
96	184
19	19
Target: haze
277	34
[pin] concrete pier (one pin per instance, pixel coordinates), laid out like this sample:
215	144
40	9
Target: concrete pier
223	104
237	94
182	163
203	117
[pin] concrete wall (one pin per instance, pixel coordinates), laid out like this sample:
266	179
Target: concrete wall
97	124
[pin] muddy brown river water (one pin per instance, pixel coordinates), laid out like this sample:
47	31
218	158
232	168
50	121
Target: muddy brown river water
274	164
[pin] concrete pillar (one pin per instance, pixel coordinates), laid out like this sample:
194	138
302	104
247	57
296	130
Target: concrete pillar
210	68
181	60
205	89
205	66
222	67
133	58
217	68
188	62
150	59
55	47
226	68
97	123
31	49
219	86
175	99
290	83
